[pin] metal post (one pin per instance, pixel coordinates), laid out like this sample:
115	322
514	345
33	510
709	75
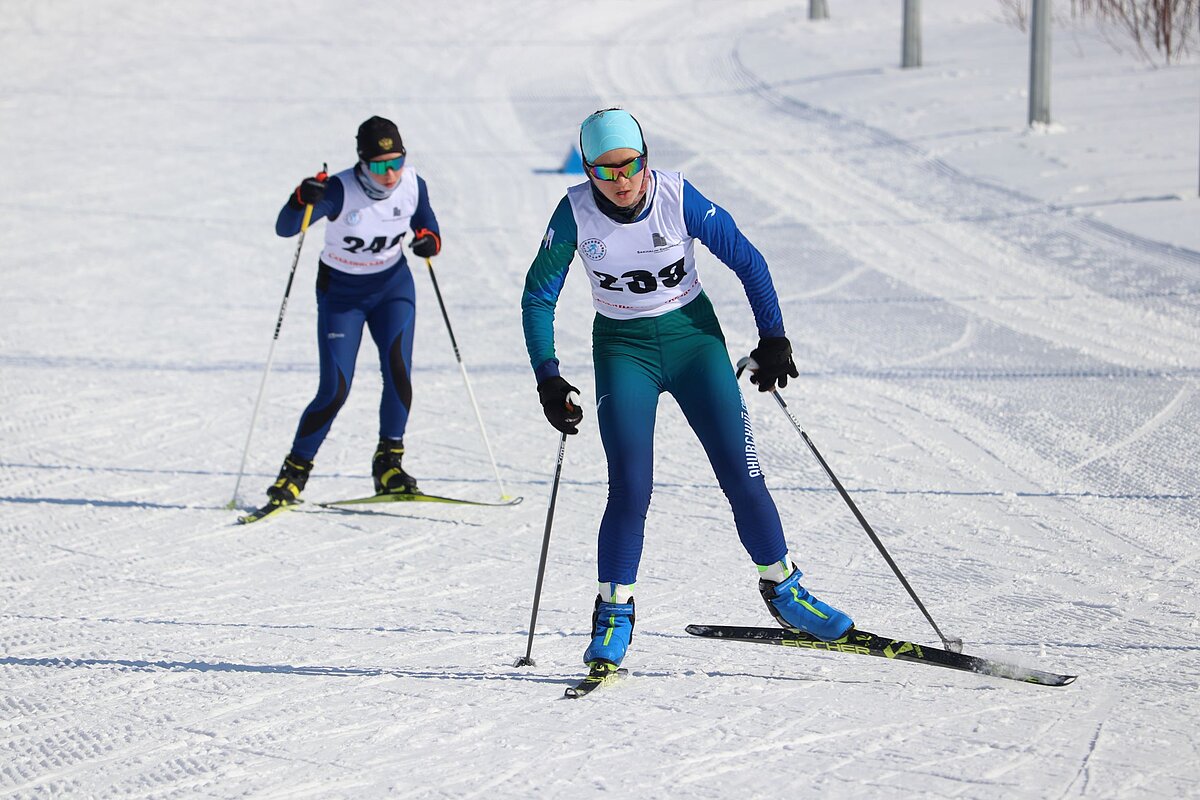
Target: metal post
911	54
1039	63
818	9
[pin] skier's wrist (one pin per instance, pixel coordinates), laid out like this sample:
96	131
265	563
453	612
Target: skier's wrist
546	370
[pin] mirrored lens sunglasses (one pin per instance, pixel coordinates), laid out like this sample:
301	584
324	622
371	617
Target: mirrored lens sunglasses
381	167
628	169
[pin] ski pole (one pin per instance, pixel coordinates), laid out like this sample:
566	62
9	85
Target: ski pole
308	209
954	645
527	659
463	368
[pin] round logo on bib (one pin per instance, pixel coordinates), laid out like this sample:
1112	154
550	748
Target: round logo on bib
593	249
353	218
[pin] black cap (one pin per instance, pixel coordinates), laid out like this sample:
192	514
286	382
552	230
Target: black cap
377	136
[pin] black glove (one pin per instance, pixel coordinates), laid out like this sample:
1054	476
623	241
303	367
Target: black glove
774	358
426	243
311	190
562	415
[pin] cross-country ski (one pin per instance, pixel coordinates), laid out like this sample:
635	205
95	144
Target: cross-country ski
859	642
599	674
416	497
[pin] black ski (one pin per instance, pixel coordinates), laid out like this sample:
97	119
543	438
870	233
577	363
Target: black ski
269	510
416	497
601	672
868	644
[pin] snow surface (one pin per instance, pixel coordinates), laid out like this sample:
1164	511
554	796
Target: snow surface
998	332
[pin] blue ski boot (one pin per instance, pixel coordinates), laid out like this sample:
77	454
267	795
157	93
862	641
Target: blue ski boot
793	607
612	628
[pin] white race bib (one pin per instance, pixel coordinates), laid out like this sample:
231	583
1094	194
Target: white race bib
368	236
644	268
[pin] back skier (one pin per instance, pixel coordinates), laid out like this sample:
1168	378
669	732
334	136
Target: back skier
362	278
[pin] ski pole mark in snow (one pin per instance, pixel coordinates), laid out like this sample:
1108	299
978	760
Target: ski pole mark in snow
1083	775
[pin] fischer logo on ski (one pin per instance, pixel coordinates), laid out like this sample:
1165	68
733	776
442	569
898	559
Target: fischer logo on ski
833	647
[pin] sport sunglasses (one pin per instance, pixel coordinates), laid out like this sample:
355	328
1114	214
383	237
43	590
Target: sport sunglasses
381	167
628	169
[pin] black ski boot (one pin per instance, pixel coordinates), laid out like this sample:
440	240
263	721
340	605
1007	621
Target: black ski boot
390	477
292	476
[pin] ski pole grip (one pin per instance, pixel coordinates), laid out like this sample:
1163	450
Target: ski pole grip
308	209
573	399
322	176
743	363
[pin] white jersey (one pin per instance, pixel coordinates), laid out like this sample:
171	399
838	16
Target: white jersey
368	236
640	269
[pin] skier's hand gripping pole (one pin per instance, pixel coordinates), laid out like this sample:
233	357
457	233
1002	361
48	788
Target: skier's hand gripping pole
527	659
561	411
954	645
320	178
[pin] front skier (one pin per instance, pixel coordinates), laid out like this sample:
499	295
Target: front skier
363	278
655	331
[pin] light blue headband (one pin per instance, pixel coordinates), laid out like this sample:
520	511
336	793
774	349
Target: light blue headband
610	129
